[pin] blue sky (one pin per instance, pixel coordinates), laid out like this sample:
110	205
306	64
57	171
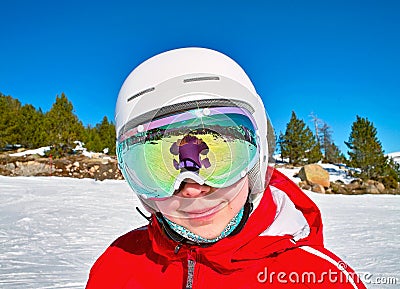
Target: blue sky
336	59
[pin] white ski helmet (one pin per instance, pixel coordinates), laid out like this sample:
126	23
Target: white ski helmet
188	78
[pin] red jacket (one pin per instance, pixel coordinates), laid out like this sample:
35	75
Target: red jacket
261	255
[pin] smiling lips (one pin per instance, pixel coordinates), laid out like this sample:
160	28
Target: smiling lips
195	214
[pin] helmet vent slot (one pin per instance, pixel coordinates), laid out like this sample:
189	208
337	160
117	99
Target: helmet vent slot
141	93
204	78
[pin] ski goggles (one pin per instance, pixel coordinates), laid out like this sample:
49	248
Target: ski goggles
214	146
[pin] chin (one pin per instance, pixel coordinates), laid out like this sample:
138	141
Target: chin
207	229
206	233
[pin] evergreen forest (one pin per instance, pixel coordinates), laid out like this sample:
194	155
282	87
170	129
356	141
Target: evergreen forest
299	145
60	127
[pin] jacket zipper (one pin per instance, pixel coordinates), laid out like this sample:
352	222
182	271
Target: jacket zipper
191	263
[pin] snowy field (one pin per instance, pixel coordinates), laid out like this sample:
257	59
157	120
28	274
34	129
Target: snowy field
53	229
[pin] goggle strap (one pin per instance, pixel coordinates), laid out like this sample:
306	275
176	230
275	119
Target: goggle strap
182	107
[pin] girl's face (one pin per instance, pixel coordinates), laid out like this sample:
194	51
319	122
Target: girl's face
196	208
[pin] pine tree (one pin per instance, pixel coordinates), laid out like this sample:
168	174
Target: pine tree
332	153
30	124
9	113
298	143
41	136
317	126
20	124
314	155
391	176
92	139
100	137
62	125
366	151
107	135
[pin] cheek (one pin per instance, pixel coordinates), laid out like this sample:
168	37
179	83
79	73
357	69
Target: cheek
236	204
168	206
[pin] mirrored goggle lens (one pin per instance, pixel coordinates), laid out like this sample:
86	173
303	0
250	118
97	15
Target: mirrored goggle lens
214	146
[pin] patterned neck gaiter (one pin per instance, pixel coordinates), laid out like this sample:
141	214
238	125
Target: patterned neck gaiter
198	239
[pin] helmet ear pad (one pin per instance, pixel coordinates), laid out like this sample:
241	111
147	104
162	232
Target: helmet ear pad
255	183
255	177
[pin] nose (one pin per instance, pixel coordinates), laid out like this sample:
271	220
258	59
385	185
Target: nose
194	190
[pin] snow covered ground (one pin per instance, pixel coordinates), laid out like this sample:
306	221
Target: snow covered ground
53	229
395	156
